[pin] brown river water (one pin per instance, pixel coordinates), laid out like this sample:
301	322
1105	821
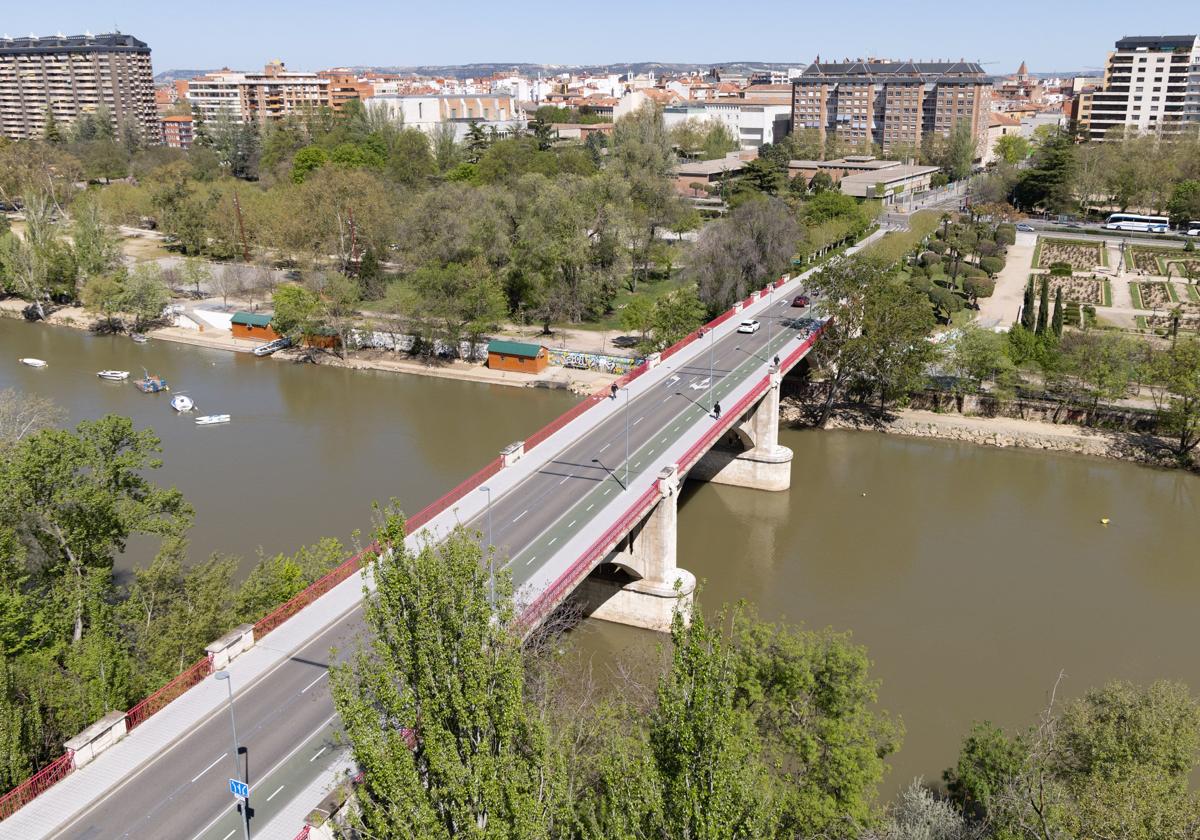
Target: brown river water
973	575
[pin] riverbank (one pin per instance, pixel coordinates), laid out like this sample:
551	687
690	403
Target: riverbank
569	379
1001	432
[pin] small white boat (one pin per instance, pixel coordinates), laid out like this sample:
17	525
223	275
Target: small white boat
113	375
212	419
36	363
182	402
139	338
272	347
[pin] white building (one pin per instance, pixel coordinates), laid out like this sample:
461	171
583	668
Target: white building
1151	84
257	97
753	124
426	112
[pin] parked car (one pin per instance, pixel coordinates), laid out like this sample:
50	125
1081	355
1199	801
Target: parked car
801	301
1024	227
748	327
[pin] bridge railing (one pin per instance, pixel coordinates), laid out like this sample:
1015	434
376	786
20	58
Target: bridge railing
568	580
427	513
310	593
158	700
45	778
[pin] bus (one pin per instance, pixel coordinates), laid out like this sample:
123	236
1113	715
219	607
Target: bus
1193	229
1132	221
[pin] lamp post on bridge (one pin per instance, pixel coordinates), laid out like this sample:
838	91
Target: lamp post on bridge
491	549
626	390
224	677
711	340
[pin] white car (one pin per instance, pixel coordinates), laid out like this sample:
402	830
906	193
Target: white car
749	327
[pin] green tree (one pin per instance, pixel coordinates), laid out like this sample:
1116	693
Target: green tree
1101	363
1043	315
1028	315
307	160
976	357
705	749
105	295
1184	205
144	294
296	311
1011	148
442	731
1056	320
675	315
752	245
1175	378
51	133
987	762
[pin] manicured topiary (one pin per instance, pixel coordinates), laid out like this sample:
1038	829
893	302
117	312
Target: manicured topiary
992	265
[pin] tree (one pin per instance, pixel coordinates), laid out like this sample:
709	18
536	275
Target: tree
954	152
976	357
195	273
465	300
987	761
51	133
1043	315
94	244
1101	363
919	815
675	315
443	733
79	496
750	246
1028	316
704	747
144	294
476	142
24	414
104	294
1047	184
1184	205
1056	321
978	287
638	316
821	182
1175	377
296	311
1011	148
307	160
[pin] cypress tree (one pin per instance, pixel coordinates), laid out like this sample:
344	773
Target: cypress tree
1027	308
1056	322
1043	315
50	131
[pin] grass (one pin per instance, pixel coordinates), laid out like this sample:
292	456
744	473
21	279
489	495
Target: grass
654	290
1107	293
1141	322
1136	294
1193	293
1174	295
1037	253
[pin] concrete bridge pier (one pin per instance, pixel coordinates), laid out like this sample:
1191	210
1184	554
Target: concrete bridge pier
750	454
640	584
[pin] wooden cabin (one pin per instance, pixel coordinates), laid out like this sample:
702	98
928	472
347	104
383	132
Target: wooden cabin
517	357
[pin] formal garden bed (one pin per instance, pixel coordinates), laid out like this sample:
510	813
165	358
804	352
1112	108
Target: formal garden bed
1091	290
1161	324
1152	295
1081	256
1163	262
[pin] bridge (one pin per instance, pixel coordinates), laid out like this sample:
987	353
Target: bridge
586	505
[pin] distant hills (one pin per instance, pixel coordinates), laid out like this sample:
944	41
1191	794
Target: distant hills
488	68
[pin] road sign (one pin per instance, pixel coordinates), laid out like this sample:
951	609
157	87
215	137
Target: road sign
239	788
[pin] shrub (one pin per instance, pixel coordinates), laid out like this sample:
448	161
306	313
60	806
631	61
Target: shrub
994	265
1006	234
1060	269
979	287
928	258
972	271
937	246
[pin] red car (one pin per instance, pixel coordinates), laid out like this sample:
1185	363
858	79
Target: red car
800	300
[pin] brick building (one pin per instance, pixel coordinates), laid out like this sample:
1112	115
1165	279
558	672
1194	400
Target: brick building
889	104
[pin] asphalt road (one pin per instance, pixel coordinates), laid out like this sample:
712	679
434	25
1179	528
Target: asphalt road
1097	233
286	722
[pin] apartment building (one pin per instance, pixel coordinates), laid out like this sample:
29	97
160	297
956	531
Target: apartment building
752	123
890	104
177	131
262	97
1151	85
74	75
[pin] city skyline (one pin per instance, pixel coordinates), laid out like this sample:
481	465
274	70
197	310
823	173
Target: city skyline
620	32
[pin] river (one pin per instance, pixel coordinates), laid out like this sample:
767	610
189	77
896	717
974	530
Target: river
972	575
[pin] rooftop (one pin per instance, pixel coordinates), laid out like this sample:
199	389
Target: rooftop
710	167
514	348
70	43
1157	42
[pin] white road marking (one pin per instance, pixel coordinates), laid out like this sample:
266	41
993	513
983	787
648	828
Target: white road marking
605	446
230	834
522	513
209	767
639	420
609	490
589	507
272	796
552	542
572	523
676	429
564	481
314	682
638	464
672	380
663	439
318	753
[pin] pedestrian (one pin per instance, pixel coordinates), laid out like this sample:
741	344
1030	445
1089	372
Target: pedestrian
614	390
716	411
776	361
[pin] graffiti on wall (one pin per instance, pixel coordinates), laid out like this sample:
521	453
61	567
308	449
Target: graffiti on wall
592	361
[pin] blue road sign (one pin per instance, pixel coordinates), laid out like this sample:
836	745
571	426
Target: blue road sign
238	788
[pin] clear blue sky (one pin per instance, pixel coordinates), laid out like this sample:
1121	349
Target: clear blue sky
312	34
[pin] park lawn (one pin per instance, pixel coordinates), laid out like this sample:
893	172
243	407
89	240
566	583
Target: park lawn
652	290
1141	322
1193	293
1174	295
1136	293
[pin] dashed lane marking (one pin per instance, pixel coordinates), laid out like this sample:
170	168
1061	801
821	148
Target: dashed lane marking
314	682
564	481
589	507
639	420
552	542
605	446
522	513
209	767
273	795
317	754
571	524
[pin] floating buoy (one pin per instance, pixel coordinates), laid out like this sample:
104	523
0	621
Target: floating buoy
1104	521
864	493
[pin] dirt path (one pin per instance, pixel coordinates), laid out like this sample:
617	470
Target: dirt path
1003	307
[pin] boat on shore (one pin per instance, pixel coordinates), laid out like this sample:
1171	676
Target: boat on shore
182	402
212	419
272	347
138	338
149	384
33	363
113	375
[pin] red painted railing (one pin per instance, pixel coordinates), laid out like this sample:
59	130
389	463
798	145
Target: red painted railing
696	451
159	699
309	594
431	510
45	778
304	832
806	345
568	580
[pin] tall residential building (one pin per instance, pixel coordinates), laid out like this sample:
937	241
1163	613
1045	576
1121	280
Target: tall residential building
257	97
74	75
1151	84
888	103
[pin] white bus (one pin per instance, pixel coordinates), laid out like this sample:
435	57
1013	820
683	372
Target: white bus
1132	221
1193	229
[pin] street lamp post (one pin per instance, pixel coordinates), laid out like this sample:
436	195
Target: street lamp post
237	767
626	487
491	548
711	369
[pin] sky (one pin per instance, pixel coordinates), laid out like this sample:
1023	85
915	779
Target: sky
314	34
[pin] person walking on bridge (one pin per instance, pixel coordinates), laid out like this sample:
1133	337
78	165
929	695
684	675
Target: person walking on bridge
716	411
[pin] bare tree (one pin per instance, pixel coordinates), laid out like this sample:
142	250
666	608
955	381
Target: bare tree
755	243
24	414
